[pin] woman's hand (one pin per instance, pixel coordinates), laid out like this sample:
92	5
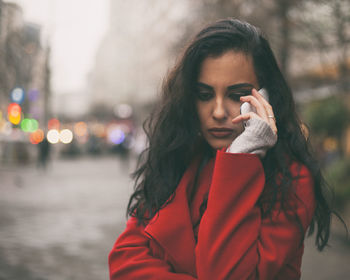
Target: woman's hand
263	110
260	131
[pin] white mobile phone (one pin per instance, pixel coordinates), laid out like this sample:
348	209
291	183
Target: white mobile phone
246	107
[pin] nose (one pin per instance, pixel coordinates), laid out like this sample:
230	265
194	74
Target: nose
219	111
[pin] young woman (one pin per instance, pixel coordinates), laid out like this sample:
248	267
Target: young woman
220	194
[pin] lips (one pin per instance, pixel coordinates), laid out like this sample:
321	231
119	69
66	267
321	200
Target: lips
221	132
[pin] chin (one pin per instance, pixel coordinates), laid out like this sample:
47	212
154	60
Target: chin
219	144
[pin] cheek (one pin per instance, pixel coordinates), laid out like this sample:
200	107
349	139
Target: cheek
235	109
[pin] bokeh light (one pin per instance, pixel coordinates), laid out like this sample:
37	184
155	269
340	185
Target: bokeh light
33	94
115	135
330	144
29	125
6	129
17	95
98	129
15	120
14	109
14	113
123	111
66	136
53	124
80	129
53	136
37	136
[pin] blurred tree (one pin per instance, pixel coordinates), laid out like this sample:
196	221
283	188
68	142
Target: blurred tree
338	175
290	25
328	117
283	9
274	17
324	26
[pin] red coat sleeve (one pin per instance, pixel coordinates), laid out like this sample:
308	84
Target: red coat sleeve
132	258
234	242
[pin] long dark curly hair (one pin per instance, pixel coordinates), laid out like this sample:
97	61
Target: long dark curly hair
173	128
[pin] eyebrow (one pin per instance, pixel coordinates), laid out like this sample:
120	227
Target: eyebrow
231	87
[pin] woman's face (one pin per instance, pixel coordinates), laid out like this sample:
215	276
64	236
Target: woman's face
222	81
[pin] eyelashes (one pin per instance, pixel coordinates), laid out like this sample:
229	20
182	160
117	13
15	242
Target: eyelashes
235	96
204	96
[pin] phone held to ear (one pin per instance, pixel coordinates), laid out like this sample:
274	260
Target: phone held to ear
246	107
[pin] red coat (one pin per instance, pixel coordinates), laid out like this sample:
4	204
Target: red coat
234	241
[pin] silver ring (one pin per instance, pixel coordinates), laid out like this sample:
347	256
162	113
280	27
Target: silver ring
272	117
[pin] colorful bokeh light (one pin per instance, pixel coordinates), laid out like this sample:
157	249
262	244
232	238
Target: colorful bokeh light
14	113
53	136
15	120
14	109
53	124
98	129
29	125
6	129
66	136
33	94
80	129
36	137
116	136
17	95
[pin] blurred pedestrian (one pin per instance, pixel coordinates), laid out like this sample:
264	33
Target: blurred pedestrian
223	192
44	154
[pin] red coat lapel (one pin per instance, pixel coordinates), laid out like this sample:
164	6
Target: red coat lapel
172	227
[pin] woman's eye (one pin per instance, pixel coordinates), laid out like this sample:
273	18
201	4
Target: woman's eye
237	95
204	96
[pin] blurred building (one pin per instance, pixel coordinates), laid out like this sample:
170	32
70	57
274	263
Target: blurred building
24	74
71	105
136	51
11	20
24	62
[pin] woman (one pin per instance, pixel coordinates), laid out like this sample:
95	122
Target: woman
219	194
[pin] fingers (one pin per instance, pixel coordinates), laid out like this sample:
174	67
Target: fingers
255	100
263	108
258	96
245	117
268	108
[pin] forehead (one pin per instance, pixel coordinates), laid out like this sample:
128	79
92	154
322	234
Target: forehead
229	68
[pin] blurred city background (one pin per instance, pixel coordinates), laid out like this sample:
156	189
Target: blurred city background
77	80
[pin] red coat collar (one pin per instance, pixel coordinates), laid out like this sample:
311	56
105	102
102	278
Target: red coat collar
172	227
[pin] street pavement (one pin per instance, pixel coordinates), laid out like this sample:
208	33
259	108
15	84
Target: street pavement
62	223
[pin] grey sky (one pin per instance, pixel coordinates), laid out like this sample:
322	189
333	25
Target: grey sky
73	28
